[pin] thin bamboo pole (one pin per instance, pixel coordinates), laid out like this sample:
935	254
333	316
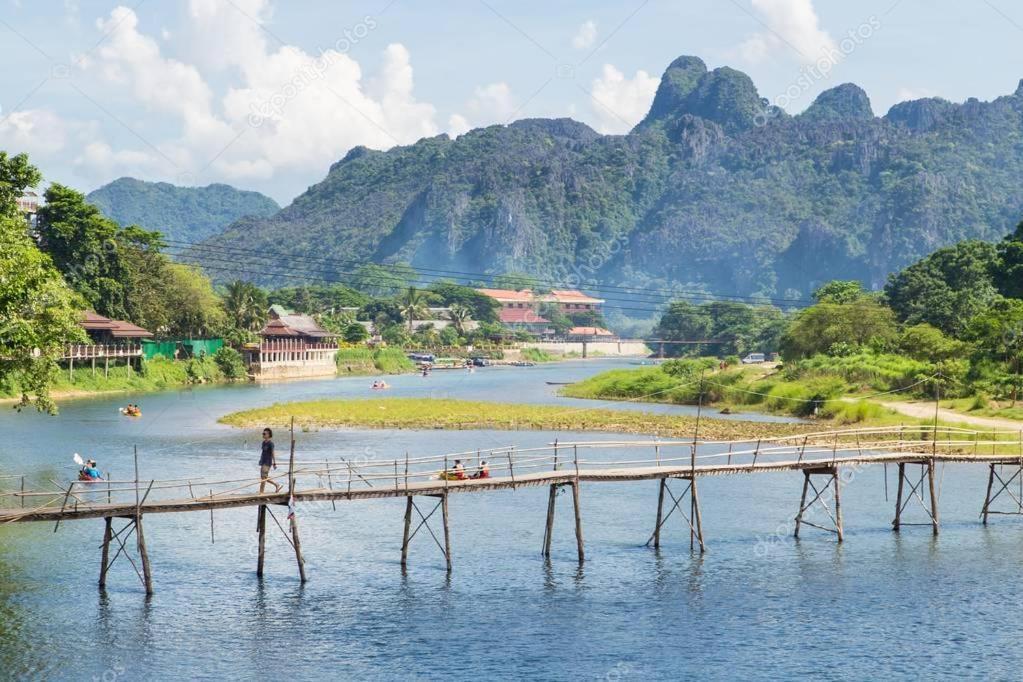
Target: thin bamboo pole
408	526
447	530
105	560
578	520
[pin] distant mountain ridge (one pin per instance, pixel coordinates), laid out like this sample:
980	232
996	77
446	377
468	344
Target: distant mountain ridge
714	189
185	213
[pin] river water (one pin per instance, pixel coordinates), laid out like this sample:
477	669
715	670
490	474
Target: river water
757	605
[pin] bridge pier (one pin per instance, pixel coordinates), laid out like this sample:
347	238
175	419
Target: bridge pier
833	481
410	533
548	534
694	520
1003	487
133	526
914	487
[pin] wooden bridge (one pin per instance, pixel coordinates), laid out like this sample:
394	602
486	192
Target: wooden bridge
822	458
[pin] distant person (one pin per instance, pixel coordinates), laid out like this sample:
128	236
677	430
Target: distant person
459	470
267	460
483	471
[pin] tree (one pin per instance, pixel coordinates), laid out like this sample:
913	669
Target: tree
355	333
459	315
245	305
683	321
1009	270
946	288
997	333
481	307
84	246
39	314
413	306
194	308
16	175
924	342
824	325
517	281
839	291
561	322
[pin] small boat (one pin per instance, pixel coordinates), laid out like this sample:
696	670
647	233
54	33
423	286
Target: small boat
559	383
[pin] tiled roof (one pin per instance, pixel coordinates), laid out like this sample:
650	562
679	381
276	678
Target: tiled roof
521	316
527	296
286	323
589	331
118	329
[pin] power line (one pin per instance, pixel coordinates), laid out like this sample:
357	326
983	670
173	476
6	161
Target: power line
636	291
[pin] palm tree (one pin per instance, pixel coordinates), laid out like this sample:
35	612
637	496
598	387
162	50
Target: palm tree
412	305
245	304
459	315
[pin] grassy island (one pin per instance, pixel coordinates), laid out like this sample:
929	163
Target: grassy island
428	413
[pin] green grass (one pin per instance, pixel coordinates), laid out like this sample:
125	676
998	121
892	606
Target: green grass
427	413
370	361
538	355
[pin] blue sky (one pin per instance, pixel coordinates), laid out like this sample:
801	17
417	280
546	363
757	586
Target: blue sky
267	94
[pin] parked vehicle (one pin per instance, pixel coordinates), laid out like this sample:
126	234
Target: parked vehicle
754	359
421	358
480	362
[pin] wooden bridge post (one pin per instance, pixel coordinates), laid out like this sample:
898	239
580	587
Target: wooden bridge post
660	512
578	520
447	530
294	516
408	527
838	505
802	502
897	522
696	517
261	530
934	498
108	533
987	496
147	574
548	533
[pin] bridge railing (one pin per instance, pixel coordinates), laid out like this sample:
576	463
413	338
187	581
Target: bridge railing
538	463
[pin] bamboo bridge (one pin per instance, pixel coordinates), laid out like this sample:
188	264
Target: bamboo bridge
821	457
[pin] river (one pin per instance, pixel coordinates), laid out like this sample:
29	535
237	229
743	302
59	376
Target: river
757	605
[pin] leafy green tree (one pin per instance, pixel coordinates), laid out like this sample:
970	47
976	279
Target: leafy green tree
413	306
825	325
924	342
396	335
946	288
355	333
480	306
449	336
16	175
459	316
84	246
839	291
683	321
245	305
194	309
561	322
997	332
230	363
1009	271
517	281
39	314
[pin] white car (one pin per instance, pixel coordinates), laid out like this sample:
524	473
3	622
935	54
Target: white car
754	359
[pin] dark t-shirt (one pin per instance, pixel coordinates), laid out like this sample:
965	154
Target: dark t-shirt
266	458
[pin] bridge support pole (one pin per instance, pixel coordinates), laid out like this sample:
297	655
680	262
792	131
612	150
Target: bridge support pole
108	533
913	488
298	548
1003	486
408	527
694	521
833	481
261	531
147	574
578	520
447	531
548	533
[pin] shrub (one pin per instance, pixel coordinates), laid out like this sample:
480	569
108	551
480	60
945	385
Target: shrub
230	363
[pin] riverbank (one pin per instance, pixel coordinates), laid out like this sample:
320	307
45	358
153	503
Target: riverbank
429	413
372	361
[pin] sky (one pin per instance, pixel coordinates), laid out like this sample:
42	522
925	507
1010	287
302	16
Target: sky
267	94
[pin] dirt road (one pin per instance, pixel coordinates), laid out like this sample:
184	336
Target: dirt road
926	411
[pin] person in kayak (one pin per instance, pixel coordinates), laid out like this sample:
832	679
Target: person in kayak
89	472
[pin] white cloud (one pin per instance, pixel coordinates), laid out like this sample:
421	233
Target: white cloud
791	24
283	111
493	103
33	131
585	36
620	102
458	125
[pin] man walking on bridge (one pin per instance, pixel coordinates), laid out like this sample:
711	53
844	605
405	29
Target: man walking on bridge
267	459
